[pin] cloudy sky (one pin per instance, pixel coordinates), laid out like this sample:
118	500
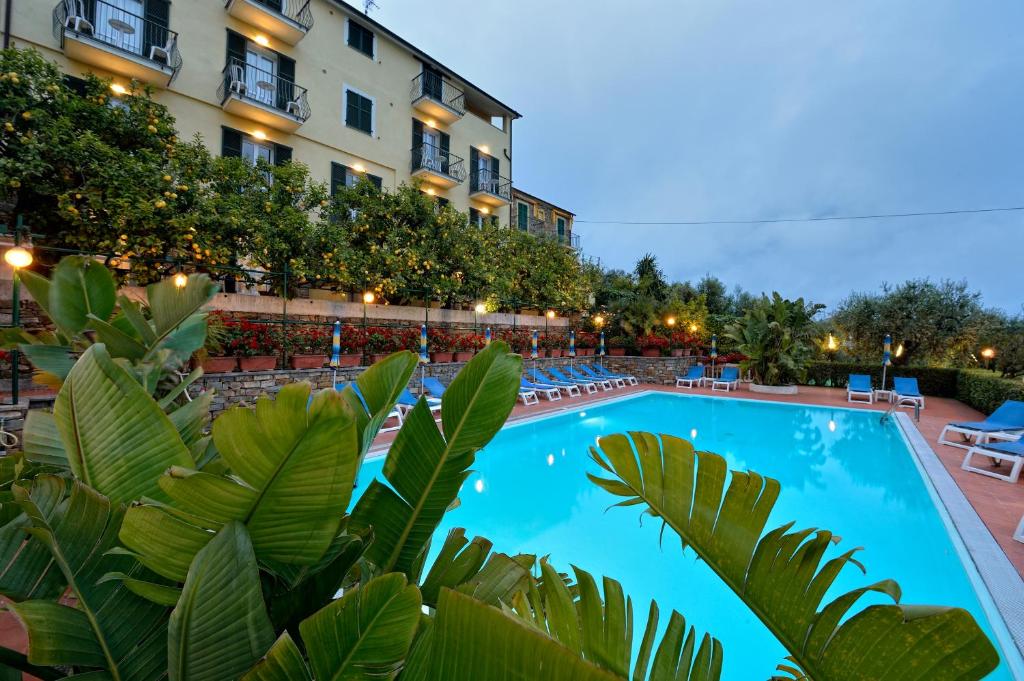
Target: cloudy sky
736	109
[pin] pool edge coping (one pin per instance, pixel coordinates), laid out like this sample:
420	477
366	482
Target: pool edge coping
1003	585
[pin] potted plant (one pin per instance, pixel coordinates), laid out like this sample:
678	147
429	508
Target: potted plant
777	337
214	357
652	345
585	343
441	346
466	346
378	343
308	347
257	347
617	346
679	344
552	344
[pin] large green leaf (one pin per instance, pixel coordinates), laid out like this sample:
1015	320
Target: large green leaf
293	469
108	627
283	662
117	438
54	361
220	626
80	286
27	570
171	306
780	575
379	389
366	633
41	439
425	469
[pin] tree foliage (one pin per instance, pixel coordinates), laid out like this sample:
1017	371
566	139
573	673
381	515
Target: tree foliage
776	335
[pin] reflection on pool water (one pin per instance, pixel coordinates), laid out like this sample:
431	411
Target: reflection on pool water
839	469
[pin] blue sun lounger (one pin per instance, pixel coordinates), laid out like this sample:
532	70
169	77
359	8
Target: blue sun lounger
585	384
693	375
604	383
549	391
1012	452
601	371
1005	423
590	373
729	380
433	387
859	385
906	393
571	389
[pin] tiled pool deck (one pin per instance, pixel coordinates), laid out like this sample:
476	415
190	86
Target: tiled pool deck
999	504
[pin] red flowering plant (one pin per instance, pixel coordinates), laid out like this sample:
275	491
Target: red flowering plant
653	341
586	339
517	339
438	340
251	339
406	339
553	341
309	340
378	340
731	358
467	342
353	340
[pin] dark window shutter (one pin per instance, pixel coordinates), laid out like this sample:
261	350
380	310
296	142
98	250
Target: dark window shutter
474	217
495	168
90	10
494	220
230	142
77	85
442	202
417	133
338	172
282	154
523	216
285	81
474	169
377	182
360	37
275	5
358	112
433	83
236	46
446	143
158	18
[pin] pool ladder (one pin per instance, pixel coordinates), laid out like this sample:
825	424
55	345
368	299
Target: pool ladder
895	405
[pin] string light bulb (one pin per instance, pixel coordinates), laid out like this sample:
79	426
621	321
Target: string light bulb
180	280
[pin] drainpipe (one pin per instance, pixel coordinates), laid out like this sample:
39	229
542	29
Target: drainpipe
8	4
508	155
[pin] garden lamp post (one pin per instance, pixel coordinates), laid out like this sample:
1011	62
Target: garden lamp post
988	354
368	298
550	314
477	311
18	258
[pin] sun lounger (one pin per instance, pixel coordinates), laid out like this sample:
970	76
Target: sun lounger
528	397
590	373
393	414
1018	534
859	386
570	389
433	387
549	391
601	371
604	383
693	375
729	380
906	393
406	401
1005	423
585	384
1011	452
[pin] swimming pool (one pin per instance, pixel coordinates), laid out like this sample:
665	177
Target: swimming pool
840	469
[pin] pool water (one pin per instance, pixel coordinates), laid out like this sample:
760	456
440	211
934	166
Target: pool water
839	469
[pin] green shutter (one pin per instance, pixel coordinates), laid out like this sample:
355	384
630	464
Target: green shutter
158	17
230	142
285	81
337	177
474	217
377	182
523	216
282	154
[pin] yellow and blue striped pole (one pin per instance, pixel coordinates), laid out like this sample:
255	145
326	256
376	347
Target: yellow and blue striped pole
886	356
533	345
600	349
487	336
336	350
424	357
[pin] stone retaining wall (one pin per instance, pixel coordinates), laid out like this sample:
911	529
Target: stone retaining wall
244	387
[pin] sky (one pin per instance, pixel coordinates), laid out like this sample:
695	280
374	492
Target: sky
662	110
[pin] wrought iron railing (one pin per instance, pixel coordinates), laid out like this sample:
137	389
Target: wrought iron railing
253	84
434	158
434	86
574	241
483	180
295	10
118	29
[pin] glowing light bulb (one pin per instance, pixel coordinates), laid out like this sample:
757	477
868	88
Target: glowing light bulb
118	89
368	297
180	280
551	459
262	41
693	328
671	321
18	257
899	350
480	308
832	425
693	433
598	320
259	134
359	168
551	314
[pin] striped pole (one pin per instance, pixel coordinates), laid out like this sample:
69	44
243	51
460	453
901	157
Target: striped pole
487	336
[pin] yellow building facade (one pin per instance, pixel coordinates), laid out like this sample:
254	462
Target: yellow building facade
315	81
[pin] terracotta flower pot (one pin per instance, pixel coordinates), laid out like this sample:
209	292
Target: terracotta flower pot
378	356
463	356
258	363
650	352
555	352
677	352
307	361
586	352
349	360
616	352
219	365
440	357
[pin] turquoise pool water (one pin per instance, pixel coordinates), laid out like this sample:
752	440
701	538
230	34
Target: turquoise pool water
839	469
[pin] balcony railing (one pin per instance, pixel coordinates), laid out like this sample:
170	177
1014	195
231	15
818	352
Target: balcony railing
259	86
482	180
574	241
435	159
295	10
119	30
435	87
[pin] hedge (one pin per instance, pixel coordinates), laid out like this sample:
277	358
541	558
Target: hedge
985	391
939	382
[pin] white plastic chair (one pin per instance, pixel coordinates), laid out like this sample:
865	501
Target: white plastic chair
75	17
237	75
1019	533
164	51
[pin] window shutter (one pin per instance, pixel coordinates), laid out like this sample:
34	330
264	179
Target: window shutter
236	46
230	142
417	139
377	182
285	81
446	143
158	17
474	217
282	154
474	169
495	168
337	177
442	202
77	85
523	216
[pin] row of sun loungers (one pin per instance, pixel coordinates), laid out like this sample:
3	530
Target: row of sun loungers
554	382
696	377
904	393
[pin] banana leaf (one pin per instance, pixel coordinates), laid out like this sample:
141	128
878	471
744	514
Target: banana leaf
780	575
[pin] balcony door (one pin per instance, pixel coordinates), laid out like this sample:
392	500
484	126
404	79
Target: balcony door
261	74
121	24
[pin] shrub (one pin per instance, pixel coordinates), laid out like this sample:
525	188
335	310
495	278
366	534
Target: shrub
985	391
935	381
653	341
586	339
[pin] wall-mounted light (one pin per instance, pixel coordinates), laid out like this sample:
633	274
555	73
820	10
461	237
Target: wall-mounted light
368	297
118	89
359	168
259	134
262	40
485	210
430	191
485	149
431	123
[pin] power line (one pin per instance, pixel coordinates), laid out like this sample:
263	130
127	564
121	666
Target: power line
826	218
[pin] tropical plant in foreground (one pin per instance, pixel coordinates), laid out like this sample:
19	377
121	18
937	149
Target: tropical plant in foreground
780	574
777	337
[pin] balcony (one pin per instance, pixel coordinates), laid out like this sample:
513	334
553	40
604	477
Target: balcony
286	20
488	187
111	39
436	98
437	166
262	96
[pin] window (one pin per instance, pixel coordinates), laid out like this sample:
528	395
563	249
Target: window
358	111
360	38
254	151
560	222
539	212
475	218
523	216
343	176
237	144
